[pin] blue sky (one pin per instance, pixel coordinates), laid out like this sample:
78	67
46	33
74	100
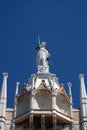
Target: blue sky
61	23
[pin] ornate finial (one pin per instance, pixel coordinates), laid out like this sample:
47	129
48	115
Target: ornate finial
70	93
17	84
69	84
5	74
81	76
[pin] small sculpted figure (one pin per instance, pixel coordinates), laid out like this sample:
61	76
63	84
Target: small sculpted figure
42	55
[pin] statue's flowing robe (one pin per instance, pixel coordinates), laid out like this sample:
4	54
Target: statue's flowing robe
42	56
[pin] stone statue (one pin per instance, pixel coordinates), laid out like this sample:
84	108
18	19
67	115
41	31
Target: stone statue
42	55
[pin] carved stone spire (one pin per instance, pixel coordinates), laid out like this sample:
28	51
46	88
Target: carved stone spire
17	85
83	102
82	86
3	95
3	101
70	95
15	102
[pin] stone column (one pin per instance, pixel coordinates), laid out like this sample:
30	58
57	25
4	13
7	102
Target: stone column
42	122
70	95
53	97
33	81
31	122
15	100
32	94
53	102
31	102
17	85
54	120
3	101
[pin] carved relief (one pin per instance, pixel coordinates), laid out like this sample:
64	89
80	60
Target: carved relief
42	86
43	100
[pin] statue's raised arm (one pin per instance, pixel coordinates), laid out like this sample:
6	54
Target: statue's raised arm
42	55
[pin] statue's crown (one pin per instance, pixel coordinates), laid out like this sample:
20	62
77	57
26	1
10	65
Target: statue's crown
43	44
